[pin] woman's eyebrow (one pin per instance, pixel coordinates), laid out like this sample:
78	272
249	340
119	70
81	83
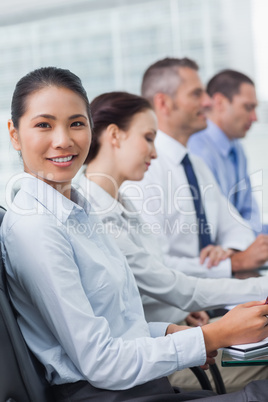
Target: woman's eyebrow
46	116
50	116
75	116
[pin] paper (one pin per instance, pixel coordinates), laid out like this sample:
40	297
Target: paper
249	349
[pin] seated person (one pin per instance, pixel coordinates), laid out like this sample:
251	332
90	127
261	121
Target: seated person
179	195
230	117
78	305
122	149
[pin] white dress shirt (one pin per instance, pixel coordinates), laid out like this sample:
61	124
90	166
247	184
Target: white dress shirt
163	290
78	305
164	200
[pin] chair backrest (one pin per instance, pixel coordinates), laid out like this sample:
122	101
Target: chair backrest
2	213
21	379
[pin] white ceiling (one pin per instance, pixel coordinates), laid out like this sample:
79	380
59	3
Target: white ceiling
16	11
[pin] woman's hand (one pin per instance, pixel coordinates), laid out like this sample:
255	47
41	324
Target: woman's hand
175	328
172	328
197	319
214	254
210	360
245	323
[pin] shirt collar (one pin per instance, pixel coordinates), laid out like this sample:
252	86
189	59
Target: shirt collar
220	139
52	200
170	147
101	201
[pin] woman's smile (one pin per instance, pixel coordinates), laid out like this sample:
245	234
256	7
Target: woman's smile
53	136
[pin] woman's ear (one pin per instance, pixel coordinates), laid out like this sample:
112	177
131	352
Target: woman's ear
13	133
114	135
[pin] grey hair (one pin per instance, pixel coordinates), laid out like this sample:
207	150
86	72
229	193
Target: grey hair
164	77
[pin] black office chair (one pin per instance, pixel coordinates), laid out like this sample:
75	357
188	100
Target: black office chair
21	376
204	380
2	213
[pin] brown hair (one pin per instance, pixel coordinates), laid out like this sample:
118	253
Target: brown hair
113	108
39	79
227	82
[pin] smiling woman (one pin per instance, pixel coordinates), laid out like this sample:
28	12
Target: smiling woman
53	135
78	305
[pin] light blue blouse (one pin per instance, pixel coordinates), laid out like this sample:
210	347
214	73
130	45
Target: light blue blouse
164	290
78	305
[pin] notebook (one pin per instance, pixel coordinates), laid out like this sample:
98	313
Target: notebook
249	349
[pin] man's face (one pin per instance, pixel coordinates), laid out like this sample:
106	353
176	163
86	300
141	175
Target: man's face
189	103
238	115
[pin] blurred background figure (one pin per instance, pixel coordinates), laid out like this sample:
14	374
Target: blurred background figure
179	193
232	112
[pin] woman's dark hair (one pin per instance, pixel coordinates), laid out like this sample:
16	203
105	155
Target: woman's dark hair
113	108
39	79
